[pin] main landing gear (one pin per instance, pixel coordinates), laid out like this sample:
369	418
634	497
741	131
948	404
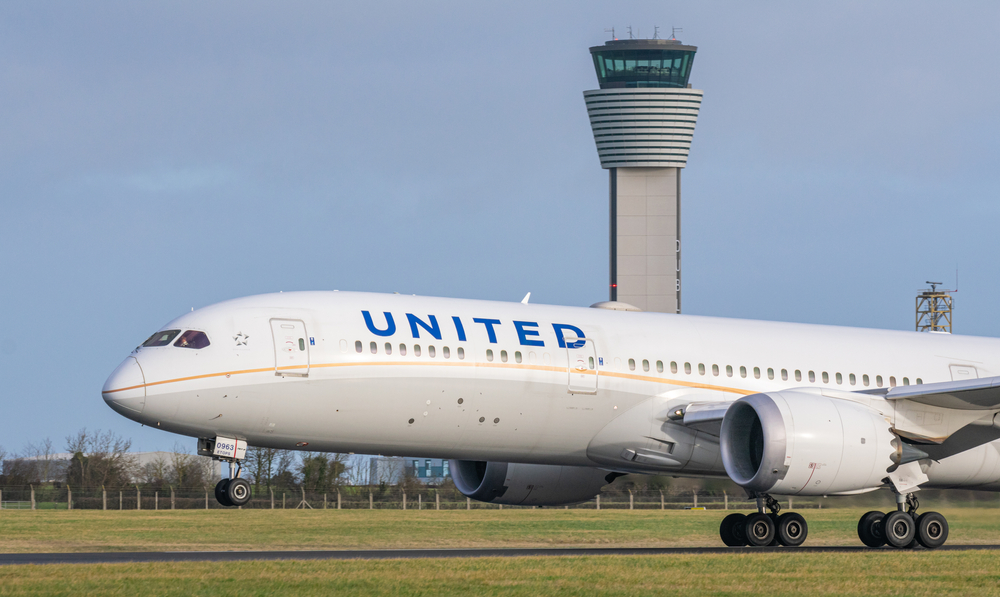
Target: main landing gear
764	528
903	529
233	491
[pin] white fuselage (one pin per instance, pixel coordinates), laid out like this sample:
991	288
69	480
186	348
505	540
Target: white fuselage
480	380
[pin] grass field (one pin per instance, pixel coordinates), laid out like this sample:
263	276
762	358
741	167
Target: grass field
887	572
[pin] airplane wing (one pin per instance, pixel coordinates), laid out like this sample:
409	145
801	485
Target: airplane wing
971	394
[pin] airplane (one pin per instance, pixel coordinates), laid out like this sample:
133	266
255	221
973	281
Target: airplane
544	405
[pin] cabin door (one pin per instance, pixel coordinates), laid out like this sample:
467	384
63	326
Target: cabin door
291	347
582	369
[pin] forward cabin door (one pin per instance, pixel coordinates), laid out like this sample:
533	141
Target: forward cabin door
291	347
582	360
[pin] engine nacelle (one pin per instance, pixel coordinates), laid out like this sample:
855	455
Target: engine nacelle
527	484
798	442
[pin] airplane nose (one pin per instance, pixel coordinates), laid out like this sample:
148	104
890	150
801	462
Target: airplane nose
125	390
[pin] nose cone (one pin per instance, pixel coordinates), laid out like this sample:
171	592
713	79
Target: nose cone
125	390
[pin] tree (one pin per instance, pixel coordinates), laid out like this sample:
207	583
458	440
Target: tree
321	472
260	464
99	459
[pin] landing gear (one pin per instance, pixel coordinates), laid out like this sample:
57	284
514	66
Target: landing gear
221	493
903	529
233	492
762	528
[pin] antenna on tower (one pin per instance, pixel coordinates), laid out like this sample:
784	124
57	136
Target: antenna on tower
656	32
612	31
630	32
674	31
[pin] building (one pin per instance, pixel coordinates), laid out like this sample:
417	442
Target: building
643	118
430	471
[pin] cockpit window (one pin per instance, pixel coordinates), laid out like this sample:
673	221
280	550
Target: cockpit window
192	339
161	338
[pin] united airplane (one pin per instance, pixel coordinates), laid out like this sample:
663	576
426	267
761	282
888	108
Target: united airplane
544	405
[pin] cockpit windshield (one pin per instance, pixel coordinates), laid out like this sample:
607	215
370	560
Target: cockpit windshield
192	339
161	338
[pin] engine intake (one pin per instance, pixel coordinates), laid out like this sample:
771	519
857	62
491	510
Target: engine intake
527	484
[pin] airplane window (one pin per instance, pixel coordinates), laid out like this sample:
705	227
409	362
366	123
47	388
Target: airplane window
826	377
192	339
756	372
431	352
659	366
851	378
374	347
388	348
673	366
878	380
840	379
645	365
812	377
503	356
358	347
892	381
302	343
591	362
343	346
161	338
784	375
489	354
715	370
770	373
416	350
864	379
743	371
631	364
701	368
446	352
402	350
461	355
687	368
906	381
729	370
919	381
798	375
517	356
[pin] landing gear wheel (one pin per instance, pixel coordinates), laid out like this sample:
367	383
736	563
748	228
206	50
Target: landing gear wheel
932	530
792	529
774	519
221	493
732	530
870	529
899	529
759	529
238	492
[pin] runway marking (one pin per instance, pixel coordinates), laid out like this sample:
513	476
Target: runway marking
409	554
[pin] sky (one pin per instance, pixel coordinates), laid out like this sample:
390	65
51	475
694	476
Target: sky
162	156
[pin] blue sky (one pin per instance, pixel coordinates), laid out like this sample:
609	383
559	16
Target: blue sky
160	156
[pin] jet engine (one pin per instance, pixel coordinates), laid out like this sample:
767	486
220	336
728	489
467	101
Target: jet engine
527	484
798	442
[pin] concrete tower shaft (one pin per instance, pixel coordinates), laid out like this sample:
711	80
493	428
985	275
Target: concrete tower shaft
643	118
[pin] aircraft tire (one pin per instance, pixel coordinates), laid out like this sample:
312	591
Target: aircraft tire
870	529
759	529
899	529
238	492
732	530
221	493
932	530
791	529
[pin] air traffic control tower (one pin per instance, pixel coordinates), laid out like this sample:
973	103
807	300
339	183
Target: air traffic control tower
643	118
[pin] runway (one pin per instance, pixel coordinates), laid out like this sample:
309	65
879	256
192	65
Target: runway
392	554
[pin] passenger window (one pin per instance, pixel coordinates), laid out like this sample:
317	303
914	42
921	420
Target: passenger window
161	338
851	378
892	381
770	373
431	351
343	346
402	350
729	370
784	375
358	346
906	381
687	368
878	380
840	379
743	371
701	368
193	339
517	356
659	366
756	372
798	375
503	356
461	352
374	347
715	370
388	348
446	352
919	381
631	364
645	365
864	379
416	350
673	366
812	377
826	377
489	354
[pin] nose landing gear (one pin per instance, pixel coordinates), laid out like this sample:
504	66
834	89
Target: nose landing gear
903	529
763	528
233	492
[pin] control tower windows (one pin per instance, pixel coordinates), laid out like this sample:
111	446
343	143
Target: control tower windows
643	68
